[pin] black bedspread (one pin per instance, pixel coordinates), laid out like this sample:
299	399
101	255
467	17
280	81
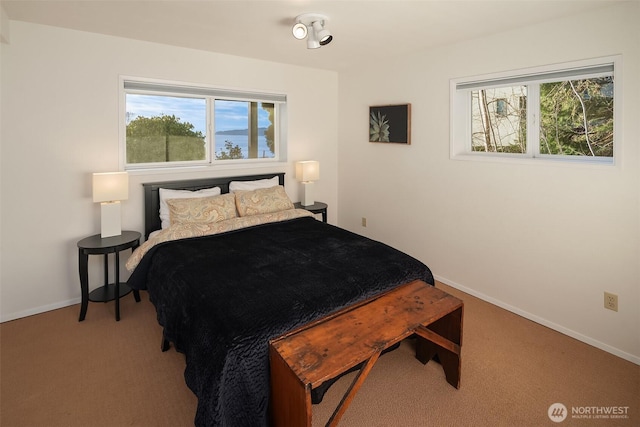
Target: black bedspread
221	298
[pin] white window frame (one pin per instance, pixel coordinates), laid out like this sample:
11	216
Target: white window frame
460	109
147	86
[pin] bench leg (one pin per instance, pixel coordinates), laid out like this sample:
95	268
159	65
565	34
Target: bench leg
353	389
444	339
290	401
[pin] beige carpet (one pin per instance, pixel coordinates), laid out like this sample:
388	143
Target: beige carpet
56	371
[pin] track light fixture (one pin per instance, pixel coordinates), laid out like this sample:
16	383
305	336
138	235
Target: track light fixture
311	26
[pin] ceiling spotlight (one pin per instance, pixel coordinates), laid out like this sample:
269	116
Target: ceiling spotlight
311	26
322	34
299	31
312	40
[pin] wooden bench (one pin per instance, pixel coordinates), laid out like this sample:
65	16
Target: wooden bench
304	358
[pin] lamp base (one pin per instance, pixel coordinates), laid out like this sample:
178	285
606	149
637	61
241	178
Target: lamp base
307	193
111	219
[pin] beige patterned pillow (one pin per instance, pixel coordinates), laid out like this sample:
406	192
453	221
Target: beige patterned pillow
262	201
168	194
202	209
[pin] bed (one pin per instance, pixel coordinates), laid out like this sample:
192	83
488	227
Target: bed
221	297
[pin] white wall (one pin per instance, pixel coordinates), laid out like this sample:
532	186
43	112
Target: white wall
544	241
4	38
60	123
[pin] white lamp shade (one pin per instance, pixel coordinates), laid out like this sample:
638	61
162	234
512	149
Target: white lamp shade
110	186
308	170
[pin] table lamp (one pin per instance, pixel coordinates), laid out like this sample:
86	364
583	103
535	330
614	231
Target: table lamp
109	189
306	172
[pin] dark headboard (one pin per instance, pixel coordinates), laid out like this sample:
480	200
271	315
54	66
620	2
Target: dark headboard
152	193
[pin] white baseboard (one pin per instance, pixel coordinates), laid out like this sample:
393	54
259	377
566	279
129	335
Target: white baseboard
559	328
38	310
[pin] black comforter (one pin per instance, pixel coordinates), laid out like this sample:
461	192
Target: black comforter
221	298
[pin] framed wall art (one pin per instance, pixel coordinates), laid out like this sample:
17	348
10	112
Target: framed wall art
390	123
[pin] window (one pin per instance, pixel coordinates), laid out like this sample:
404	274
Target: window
501	107
176	125
560	113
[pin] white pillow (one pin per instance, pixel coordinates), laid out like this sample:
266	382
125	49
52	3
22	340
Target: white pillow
166	194
253	185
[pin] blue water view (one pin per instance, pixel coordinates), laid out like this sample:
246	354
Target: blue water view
243	142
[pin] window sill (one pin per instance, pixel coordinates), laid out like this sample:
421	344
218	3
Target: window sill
544	160
206	168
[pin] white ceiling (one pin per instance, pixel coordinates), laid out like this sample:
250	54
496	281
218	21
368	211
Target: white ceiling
365	31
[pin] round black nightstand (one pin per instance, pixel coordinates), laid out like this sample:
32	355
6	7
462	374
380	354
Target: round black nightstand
316	208
96	245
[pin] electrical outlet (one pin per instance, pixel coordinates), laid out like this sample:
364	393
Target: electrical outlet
364	221
611	301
